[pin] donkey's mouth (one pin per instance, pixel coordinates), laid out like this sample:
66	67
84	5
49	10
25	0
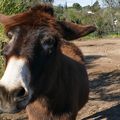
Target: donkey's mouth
12	109
13	101
13	106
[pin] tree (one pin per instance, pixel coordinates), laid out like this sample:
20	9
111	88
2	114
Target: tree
77	6
111	3
12	6
16	6
36	2
95	7
59	12
50	1
65	6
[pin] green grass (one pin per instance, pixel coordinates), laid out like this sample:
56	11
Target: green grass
113	36
92	36
2	39
2	66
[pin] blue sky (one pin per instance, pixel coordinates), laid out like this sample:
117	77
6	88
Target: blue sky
70	2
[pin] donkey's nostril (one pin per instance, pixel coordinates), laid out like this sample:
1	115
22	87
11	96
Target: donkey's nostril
20	94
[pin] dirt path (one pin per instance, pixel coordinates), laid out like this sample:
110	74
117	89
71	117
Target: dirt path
103	63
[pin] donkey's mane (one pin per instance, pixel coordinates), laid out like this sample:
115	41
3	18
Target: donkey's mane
42	15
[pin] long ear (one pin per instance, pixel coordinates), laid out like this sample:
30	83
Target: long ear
71	31
4	19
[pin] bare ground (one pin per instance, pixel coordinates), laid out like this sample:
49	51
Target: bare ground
103	63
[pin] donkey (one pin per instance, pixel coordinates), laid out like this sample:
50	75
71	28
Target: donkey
44	73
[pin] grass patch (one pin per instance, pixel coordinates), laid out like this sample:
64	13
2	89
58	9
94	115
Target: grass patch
2	39
1	66
92	36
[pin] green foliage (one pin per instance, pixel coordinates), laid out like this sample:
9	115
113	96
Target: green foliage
51	1
2	66
103	18
95	7
12	6
77	6
3	39
59	12
73	15
112	3
17	6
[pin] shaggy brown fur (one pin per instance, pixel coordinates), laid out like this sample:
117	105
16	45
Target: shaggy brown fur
59	78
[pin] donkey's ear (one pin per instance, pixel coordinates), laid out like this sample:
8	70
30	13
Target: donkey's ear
71	31
4	19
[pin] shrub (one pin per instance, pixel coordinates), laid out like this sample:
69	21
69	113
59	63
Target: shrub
12	6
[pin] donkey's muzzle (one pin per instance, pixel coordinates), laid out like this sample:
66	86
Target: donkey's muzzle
12	101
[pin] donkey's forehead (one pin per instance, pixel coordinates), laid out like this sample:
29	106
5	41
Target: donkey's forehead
20	33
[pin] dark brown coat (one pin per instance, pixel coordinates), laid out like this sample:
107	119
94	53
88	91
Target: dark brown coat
59	77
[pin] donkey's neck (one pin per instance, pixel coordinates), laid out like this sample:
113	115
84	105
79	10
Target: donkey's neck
37	110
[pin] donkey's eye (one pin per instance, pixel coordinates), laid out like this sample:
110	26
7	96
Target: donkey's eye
9	34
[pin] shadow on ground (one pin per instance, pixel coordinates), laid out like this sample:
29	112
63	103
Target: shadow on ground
107	86
92	58
108	114
89	59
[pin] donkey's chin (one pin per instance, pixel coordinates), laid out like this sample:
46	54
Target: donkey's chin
21	105
11	110
15	107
